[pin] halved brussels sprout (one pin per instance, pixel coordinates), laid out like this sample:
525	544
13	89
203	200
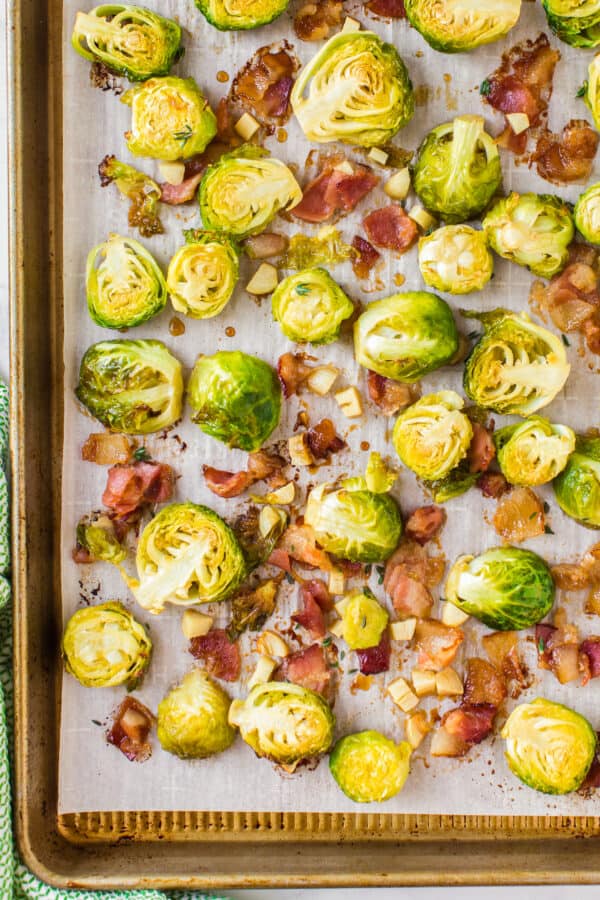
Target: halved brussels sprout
506	588
368	767
104	646
577	488
186	555
363	620
452	26
310	307
356	89
433	435
135	387
587	214
124	283
456	259
534	451
239	15
457	171
549	746
192	718
203	274
532	230
516	367
285	723
236	398
591	90
576	22
243	192
96	535
128	40
406	336
170	119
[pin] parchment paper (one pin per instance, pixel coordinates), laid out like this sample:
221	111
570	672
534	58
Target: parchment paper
94	775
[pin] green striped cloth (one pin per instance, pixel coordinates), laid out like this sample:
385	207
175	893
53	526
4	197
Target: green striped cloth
15	880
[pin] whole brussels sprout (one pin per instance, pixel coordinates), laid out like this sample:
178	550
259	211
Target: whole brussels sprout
457	171
549	746
285	723
134	387
456	259
506	588
533	452
128	40
104	646
236	398
202	274
432	436
310	307
368	767
170	119
124	283
192	718
242	192
591	89
240	15
356	89
186	555
576	22
587	214
363	619
406	336
516	367
577	488
452	26
532	230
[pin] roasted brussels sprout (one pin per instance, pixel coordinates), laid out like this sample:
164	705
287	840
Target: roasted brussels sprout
587	214
356	89
432	436
244	191
128	40
368	767
170	119
142	192
192	718
406	336
203	274
259	532
591	89
240	15
124	283
97	537
506	588
456	259
285	723
532	230
533	452
186	555
457	171
577	488
135	387
549	746
516	367
104	646
310	307
363	619
576	22
452	26
236	398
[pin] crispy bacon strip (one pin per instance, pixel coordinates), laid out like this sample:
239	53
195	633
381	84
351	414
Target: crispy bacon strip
481	450
373	660
408	575
569	156
471	723
138	484
390	227
386	9
299	542
334	190
308	668
323	440
391	396
261	465
425	523
315	20
263	86
365	258
436	644
176	194
221	657
315	600
484	684
130	728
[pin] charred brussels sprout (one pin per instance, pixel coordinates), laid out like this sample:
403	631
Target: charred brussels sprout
577	488
135	387
457	171
576	22
355	90
310	307
453	26
534	451
104	646
236	398
170	119
142	192
516	367
240	15
456	259
128	40
203	274
124	283
186	555
368	767
506	588
285	723
591	90
96	535
363	619
406	336
433	435
532	230
192	718
587	214
549	746
244	191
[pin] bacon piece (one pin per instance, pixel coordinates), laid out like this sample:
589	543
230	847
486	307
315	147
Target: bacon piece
592	779
483	684
503	650
318	590
569	156
220	656
373	660
226	132
176	194
481	450
315	20
300	543
519	515
313	594
130	728
281	559
390	227
590	648
391	396
387	9
558	651
132	486
107	449
292	371
307	668
436	644
471	723
261	465
492	484
408	575
572	297
264	85
365	257
322	439
334	191
425	523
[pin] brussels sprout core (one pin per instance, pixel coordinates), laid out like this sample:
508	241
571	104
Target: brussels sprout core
455	259
368	767
533	452
456	25
577	488
239	15
310	307
433	435
587	214
192	718
576	22
202	275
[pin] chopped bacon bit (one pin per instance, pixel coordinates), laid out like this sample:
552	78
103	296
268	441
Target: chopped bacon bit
566	157
425	523
387	9
315	599
132	486
220	655
502	647
261	465
130	728
299	542
376	659
176	194
315	20
590	648
519	515
292	371
281	559
481	450
592	779
572	298
107	449
483	684
391	396
390	227
492	484
409	573
558	651
436	644
365	258
264	85
82	555
322	439
334	191
307	668
469	722
318	590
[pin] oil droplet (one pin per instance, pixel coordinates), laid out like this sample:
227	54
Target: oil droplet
222	76
230	331
399	279
365	445
419	54
282	135
447	77
176	327
422	94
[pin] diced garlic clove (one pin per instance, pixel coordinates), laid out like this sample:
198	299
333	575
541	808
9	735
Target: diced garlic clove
246	126
402	695
264	280
263	671
172	172
195	624
349	402
321	379
398	186
269	643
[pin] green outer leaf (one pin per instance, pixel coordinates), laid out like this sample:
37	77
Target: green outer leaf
577	488
251	14
577	30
